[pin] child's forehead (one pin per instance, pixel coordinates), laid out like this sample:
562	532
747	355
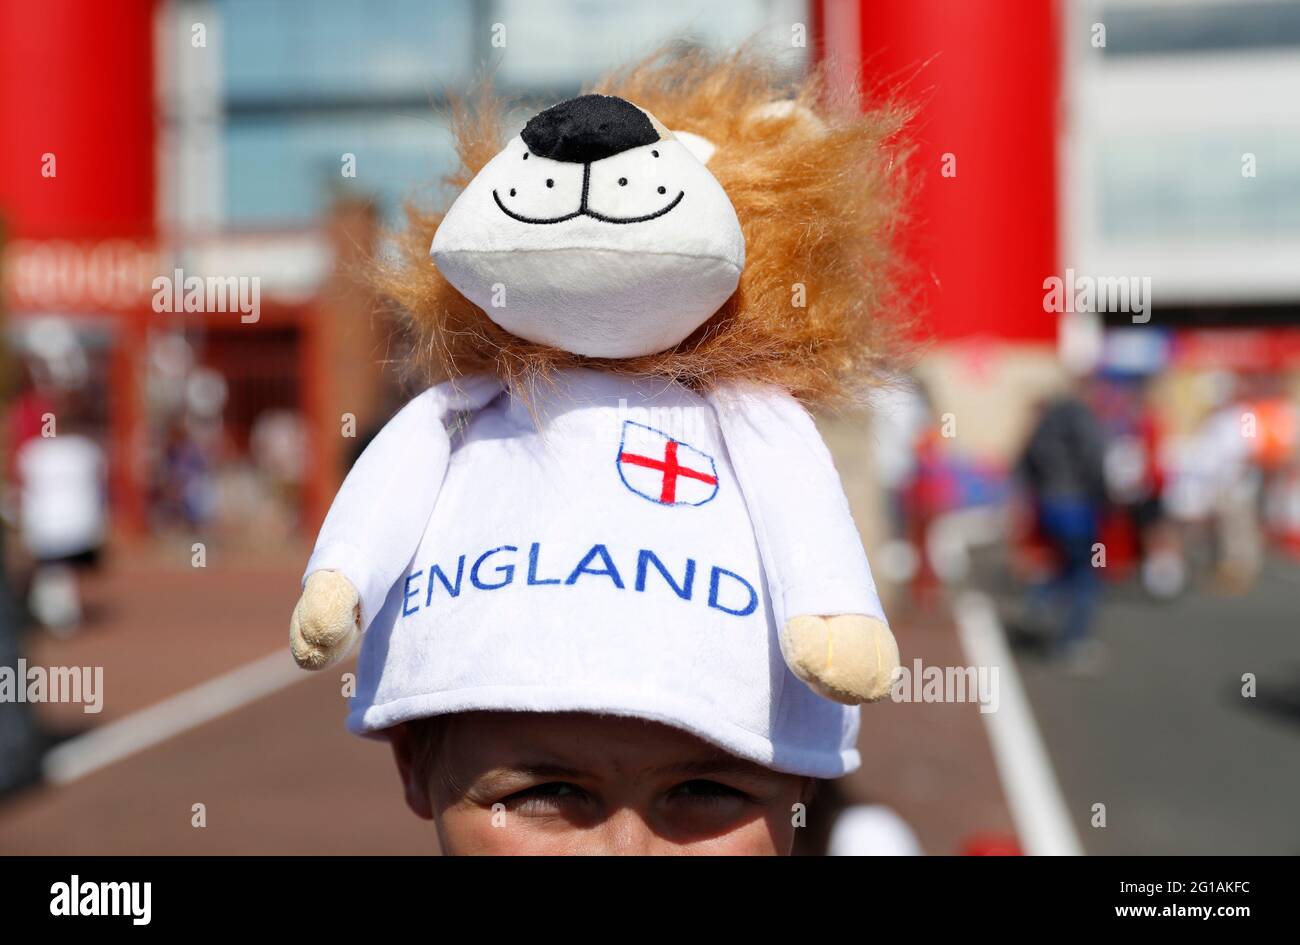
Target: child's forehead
582	742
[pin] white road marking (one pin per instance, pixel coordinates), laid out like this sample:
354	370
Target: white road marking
1033	793
180	713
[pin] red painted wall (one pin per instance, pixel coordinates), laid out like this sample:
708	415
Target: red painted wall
76	80
984	78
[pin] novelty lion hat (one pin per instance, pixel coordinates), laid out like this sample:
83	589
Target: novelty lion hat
627	303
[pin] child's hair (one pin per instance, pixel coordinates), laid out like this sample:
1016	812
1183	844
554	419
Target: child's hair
818	187
427	738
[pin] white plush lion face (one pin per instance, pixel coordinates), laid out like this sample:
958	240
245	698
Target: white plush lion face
597	231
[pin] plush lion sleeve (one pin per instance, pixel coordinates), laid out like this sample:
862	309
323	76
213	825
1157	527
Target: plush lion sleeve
380	513
809	545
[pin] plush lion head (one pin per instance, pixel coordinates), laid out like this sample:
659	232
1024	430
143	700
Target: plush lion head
697	218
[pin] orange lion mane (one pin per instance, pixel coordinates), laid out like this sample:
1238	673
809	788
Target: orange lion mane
817	310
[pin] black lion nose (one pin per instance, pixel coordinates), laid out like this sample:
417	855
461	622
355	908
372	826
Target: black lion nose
588	128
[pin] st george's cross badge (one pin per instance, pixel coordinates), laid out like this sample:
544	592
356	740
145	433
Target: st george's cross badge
665	470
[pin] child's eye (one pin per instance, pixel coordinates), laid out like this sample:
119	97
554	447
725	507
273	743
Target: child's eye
705	791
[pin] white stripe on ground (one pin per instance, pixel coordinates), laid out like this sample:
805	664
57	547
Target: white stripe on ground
1033	793
180	713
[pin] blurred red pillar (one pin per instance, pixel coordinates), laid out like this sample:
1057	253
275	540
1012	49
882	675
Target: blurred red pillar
77	98
76	82
983	76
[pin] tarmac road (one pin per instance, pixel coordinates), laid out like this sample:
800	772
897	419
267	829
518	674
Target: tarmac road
1163	736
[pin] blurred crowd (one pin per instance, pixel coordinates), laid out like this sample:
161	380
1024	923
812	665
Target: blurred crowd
203	479
1104	487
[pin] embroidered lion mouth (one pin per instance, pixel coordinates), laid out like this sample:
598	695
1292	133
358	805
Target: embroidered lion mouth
585	211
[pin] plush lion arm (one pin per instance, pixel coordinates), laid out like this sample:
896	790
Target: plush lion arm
376	522
834	634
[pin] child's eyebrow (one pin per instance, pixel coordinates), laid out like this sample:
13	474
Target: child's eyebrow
513	776
546	769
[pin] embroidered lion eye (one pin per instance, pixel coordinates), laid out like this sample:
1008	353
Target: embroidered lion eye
622	182
549	182
512	191
662	190
525	155
655	153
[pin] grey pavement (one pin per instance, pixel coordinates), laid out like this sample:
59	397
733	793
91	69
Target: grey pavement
1163	736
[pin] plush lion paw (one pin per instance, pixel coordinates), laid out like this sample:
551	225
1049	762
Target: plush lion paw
849	658
326	620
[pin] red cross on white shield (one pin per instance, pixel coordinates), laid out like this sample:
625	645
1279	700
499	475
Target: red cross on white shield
664	469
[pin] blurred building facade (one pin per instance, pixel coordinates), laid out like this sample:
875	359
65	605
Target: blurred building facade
1129	138
1104	189
272	141
1180	151
267	143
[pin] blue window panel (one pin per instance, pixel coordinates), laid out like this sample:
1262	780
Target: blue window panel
1190	186
296	49
565	43
287	174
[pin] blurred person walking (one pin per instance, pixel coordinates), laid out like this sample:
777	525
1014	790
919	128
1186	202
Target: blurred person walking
901	416
1136	483
1235	498
1272	429
1164	566
62	521
1062	470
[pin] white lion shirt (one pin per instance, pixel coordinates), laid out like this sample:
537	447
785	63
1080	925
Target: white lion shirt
596	552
